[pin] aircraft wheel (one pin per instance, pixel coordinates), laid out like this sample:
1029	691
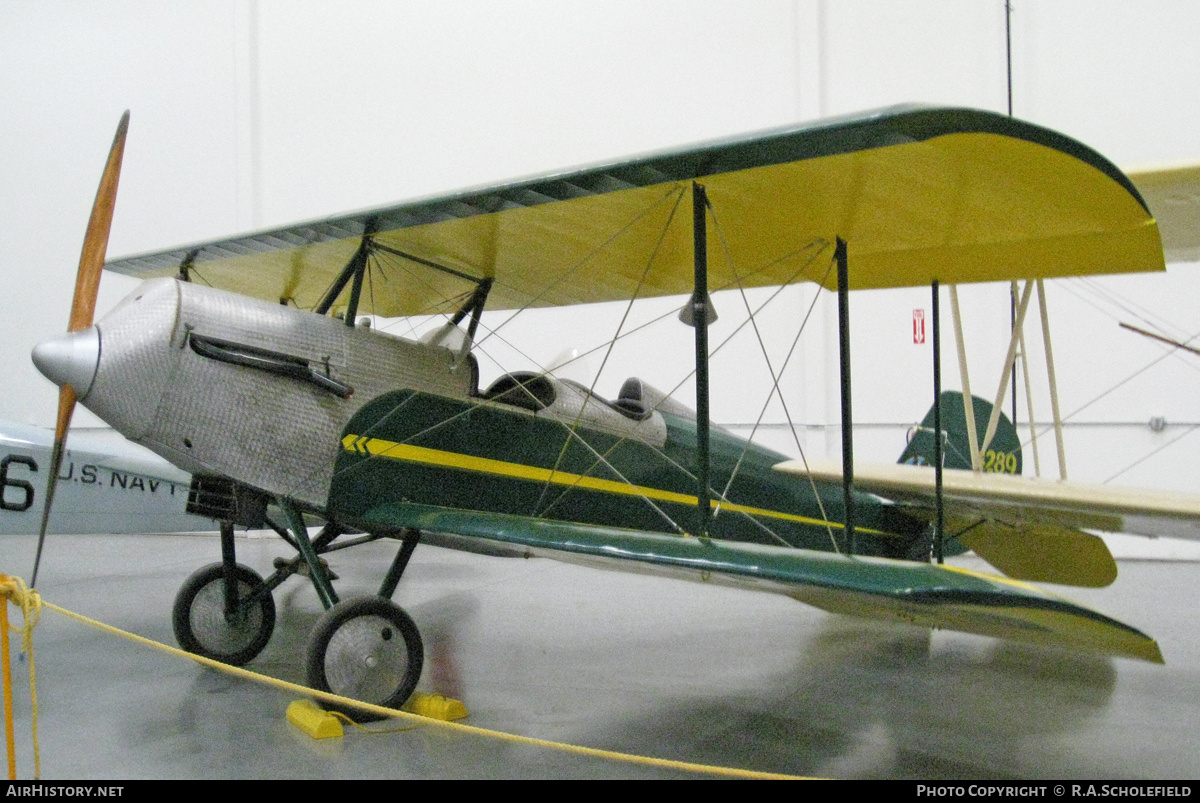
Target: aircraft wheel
199	616
367	649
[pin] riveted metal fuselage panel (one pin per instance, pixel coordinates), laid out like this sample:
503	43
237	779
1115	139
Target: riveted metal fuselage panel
136	359
276	433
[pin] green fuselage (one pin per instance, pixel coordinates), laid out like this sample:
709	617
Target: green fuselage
420	448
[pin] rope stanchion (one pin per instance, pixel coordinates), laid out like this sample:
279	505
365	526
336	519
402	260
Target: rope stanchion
417	719
30	602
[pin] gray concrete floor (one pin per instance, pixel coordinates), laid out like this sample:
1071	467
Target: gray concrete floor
624	662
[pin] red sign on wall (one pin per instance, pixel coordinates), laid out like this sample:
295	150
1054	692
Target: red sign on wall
918	326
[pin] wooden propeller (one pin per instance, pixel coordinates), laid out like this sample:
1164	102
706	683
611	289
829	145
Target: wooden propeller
83	308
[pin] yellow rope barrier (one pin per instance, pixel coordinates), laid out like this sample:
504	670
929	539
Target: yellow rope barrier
418	719
30	603
9	739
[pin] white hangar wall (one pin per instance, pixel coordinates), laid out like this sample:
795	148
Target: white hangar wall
251	114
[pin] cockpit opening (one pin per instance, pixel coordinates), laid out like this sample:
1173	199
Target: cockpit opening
525	389
533	391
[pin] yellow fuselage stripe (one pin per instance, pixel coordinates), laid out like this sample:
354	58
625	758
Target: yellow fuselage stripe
438	457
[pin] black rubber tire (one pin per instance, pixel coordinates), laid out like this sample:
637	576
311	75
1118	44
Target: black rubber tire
199	616
366	649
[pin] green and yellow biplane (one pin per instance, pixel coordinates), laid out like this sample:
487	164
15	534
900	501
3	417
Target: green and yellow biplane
243	362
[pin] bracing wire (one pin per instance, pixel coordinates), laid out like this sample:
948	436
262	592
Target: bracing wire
376	263
571	429
721	497
611	344
601	459
193	272
1125	303
1153	452
775	378
676	189
1088	290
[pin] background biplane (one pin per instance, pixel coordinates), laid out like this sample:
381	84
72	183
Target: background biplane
107	485
268	403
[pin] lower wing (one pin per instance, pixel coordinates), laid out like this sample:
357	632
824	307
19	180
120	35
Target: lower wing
875	588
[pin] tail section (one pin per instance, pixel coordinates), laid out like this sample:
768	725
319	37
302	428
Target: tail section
1002	455
1027	549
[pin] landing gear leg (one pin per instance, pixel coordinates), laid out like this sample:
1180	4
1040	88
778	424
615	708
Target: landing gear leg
316	570
229	565
408	543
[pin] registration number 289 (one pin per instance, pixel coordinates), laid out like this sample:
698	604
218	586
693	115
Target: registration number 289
1000	462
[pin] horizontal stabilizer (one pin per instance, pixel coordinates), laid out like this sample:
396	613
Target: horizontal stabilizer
1043	553
877	588
1031	529
1025	499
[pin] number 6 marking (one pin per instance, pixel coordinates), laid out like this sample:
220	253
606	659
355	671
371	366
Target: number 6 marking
23	485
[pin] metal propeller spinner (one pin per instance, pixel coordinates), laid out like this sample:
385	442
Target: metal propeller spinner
65	359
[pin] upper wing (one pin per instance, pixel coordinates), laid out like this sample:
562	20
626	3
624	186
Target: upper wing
890	590
918	193
1029	528
1173	196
